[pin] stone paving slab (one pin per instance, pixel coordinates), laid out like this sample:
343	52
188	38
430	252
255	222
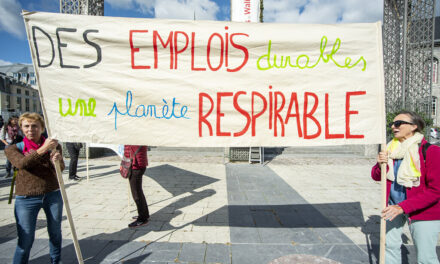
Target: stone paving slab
209	212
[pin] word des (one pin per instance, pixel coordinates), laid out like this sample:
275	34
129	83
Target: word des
61	44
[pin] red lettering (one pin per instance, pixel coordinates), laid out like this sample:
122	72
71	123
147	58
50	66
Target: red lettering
220	114
209	51
310	115
176	49
294	98
243	112
242	48
270	107
255	116
327	130
348	113
134	50
169	42
277	113
247	9
202	118
193	36
226	47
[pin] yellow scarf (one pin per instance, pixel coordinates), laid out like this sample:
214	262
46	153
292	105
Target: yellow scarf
409	173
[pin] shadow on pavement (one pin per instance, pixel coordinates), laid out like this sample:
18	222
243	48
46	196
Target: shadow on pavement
169	177
107	246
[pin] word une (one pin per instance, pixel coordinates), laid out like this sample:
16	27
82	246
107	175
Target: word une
274	105
167	112
174	41
269	61
84	109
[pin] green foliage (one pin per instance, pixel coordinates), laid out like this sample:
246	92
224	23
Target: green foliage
392	115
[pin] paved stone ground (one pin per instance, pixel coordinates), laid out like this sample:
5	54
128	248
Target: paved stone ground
211	212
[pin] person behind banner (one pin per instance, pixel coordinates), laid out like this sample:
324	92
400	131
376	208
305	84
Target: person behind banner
10	134
413	189
2	122
36	187
140	163
73	149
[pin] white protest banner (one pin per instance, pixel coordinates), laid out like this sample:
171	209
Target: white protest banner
118	149
245	10
202	83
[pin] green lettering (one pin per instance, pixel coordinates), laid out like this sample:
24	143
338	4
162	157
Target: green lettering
303	60
81	105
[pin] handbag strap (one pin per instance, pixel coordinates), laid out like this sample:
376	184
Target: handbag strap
136	152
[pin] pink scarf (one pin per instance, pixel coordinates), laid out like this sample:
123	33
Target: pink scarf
30	146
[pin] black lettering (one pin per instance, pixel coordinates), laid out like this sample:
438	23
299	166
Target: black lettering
60	44
36	47
93	44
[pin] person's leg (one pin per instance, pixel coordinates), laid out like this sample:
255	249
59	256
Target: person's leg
26	212
393	254
76	156
53	207
425	236
138	194
8	166
73	164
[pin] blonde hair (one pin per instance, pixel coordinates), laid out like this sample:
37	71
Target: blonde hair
31	116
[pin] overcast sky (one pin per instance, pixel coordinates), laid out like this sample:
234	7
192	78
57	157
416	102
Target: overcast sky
14	47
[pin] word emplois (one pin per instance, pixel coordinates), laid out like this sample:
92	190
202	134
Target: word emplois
174	41
269	61
277	104
84	109
167	112
61	33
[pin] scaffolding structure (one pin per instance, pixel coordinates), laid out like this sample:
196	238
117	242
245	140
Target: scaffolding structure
408	34
82	7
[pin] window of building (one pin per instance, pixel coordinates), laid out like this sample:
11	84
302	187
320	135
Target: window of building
435	70
26	92
32	74
19	103
34	107
27	104
16	75
18	91
434	106
32	81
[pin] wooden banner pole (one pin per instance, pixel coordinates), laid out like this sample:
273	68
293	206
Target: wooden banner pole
68	212
383	183
128	197
87	161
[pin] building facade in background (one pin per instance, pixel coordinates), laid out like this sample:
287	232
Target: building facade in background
435	109
18	90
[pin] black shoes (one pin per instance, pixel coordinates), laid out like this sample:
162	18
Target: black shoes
138	223
135	217
75	178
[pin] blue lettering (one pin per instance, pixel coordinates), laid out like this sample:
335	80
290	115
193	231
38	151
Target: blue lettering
149	110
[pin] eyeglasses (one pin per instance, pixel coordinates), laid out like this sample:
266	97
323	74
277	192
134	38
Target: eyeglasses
398	123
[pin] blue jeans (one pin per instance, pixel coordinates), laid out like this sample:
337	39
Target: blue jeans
424	235
26	212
